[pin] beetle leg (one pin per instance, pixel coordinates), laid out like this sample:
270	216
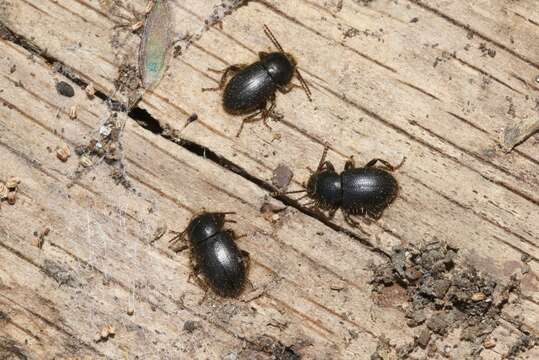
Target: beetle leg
385	163
258	115
323	161
350	164
233	234
200	282
331	214
350	221
268	112
375	214
289	87
176	240
328	166
249	119
246	259
226	72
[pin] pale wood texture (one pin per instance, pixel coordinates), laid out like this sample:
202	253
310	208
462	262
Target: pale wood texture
435	82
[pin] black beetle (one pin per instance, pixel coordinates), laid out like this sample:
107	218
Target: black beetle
253	86
214	254
363	191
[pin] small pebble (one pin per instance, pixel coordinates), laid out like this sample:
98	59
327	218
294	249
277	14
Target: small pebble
189	326
85	161
73	112
12	183
489	343
65	89
90	90
12	198
63	153
282	176
478	297
3	191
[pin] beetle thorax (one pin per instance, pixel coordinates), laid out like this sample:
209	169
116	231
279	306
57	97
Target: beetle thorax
205	226
280	66
325	187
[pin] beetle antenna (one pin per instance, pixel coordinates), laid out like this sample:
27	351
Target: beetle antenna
304	85
323	158
272	37
226	213
275	42
293	192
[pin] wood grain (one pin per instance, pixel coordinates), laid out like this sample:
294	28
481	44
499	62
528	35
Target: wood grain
434	82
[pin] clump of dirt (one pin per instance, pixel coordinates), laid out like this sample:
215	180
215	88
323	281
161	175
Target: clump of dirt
10	349
271	346
59	274
443	296
486	51
63	88
523	344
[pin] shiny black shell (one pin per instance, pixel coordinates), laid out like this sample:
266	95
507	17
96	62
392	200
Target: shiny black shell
367	189
357	191
218	258
253	86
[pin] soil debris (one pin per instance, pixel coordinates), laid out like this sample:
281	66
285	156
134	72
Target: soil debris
9	349
271	210
40	237
12	183
523	344
90	91
271	346
107	332
443	296
65	89
63	152
73	112
383	350
59	274
3	191
282	176
486	51
189	326
8	190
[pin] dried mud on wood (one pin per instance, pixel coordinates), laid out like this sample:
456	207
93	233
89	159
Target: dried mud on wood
444	296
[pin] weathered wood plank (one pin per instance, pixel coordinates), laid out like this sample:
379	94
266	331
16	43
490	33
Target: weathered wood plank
109	246
426	90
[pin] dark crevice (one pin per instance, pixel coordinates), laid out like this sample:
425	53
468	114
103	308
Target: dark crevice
148	122
209	154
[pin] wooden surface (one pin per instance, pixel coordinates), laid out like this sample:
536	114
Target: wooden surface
435	82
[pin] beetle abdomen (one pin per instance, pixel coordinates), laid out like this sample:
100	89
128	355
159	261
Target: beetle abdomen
221	263
248	90
367	189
